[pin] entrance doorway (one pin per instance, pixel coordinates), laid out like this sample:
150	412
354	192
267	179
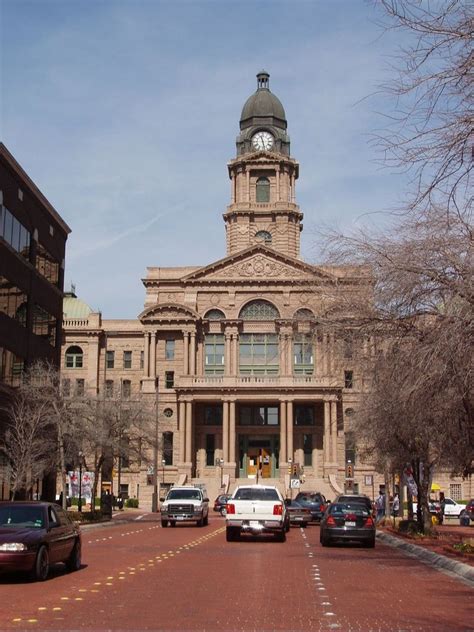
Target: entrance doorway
258	455
259	460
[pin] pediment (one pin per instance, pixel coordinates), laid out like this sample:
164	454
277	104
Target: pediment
258	263
168	312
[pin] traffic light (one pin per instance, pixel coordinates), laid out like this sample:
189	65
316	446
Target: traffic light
349	470
295	470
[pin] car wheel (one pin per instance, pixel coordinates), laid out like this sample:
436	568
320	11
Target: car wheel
223	511
232	534
281	536
164	523
325	540
74	561
206	520
41	568
200	522
371	543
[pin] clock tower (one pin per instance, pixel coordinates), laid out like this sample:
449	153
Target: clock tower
263	175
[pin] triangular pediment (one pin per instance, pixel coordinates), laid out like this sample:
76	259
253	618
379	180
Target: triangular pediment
258	263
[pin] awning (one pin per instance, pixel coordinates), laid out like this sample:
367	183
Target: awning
435	487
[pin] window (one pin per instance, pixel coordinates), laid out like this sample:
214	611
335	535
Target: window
168	448
46	265
142	359
74	358
66	388
265	236
258	354
127	359
210	449
214	314
124	451
168	412
304	314
11	367
263	190
126	389
308	449
169	350
303	354
259	416
213	415
350	448
14	233
304	416
455	491
44	324
110	359
348	379
348	345
214	354
259	310
80	384
12	301
109	388
169	379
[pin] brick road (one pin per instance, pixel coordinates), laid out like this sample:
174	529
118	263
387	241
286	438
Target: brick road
138	576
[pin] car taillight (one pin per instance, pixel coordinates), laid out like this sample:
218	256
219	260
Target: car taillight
230	508
369	522
277	510
330	522
322	508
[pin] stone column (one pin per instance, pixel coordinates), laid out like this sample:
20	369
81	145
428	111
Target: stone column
192	353
282	350
227	353
146	355
247	174
232	432
235	353
182	431
225	432
199	358
327	431
186	353
334	432
289	422
283	455
189	432
289	354
331	355
153	354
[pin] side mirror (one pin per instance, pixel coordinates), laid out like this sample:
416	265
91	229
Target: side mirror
162	500
206	500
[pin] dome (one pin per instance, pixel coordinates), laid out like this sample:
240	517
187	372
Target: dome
74	307
263	103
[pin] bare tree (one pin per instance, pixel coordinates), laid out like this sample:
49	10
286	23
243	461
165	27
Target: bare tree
431	120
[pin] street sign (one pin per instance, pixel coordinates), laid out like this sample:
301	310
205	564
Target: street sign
295	483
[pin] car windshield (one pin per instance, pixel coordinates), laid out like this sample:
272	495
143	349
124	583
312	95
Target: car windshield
342	509
248	493
184	494
22	517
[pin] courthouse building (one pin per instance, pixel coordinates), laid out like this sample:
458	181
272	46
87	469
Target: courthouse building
246	380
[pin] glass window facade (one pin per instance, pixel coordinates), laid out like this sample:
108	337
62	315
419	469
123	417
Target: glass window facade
259	354
11	367
47	265
14	233
259	416
214	354
12	301
44	324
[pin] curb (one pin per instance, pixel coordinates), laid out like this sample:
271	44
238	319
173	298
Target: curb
440	562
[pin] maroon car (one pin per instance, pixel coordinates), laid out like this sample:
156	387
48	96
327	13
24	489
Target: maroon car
34	535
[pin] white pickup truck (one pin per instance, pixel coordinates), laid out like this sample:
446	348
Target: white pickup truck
256	509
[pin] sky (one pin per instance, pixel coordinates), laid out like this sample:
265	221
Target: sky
125	114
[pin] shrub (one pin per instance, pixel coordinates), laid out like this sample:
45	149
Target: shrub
131	502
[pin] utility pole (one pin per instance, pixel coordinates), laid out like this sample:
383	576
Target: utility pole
154	501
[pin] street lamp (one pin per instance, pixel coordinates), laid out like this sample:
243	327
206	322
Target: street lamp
163	463
79	500
154	498
290	462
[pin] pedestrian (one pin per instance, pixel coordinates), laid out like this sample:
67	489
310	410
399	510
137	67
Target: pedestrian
380	507
395	505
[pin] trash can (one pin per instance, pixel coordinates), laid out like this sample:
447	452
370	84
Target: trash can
464	519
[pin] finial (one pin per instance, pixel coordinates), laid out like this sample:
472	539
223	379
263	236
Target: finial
263	80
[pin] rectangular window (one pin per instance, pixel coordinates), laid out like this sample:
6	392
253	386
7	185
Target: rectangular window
66	388
169	379
304	416
46	264
109	388
126	389
308	449
214	354
13	302
80	384
213	416
124	451
210	449
168	448
259	354
259	416
348	379
455	491
142	359
169	349
14	233
110	359
11	367
127	359
303	354
44	324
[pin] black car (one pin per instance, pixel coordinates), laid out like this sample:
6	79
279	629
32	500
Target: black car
315	502
356	498
299	515
347	521
220	503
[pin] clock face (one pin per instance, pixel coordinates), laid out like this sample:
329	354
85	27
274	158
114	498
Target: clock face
262	140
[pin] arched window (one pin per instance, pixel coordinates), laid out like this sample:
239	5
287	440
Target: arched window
74	358
214	314
263	190
304	314
265	236
259	310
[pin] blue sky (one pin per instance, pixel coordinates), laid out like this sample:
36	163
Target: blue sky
125	113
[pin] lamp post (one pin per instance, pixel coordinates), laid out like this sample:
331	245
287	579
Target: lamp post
79	500
154	499
163	463
221	465
290	463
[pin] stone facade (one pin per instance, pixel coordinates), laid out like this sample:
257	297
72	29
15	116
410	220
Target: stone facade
246	382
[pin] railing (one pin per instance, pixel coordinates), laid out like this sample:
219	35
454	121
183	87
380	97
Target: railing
251	381
75	322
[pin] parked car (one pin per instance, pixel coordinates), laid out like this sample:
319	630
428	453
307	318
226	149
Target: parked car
220	503
299	515
348	521
356	498
435	511
258	510
315	502
469	509
34	535
451	507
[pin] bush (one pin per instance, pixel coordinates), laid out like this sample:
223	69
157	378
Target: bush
131	502
88	516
